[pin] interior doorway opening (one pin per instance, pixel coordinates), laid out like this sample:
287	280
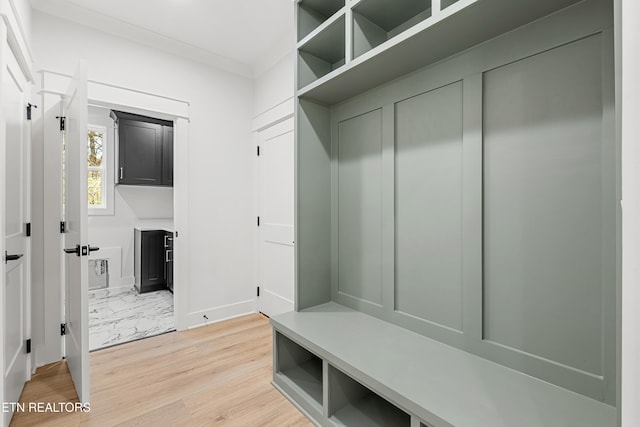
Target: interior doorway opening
132	224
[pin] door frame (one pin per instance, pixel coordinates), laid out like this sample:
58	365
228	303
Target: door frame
53	85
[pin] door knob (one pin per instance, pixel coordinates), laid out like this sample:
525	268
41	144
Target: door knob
82	250
13	257
75	250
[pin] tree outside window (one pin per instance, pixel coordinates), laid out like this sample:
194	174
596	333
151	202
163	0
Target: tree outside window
96	167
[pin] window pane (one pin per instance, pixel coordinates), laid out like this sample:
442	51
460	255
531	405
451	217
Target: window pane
95	188
94	148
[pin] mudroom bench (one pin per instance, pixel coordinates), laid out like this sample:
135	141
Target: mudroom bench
344	367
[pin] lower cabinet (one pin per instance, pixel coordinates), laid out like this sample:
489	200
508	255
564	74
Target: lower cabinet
149	260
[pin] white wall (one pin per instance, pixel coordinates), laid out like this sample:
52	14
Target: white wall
274	86
221	106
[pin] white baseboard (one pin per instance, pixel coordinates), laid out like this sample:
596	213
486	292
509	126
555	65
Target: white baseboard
273	304
218	314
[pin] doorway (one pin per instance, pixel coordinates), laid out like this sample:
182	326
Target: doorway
133	227
50	346
275	220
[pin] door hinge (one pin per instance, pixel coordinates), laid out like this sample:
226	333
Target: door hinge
258	291
28	346
63	227
258	151
27	229
63	329
258	221
29	107
63	120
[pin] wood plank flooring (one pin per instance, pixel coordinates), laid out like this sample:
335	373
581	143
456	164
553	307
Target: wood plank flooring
217	375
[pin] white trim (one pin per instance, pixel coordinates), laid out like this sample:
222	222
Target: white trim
114	96
273	115
218	314
3	53
628	107
181	266
15	37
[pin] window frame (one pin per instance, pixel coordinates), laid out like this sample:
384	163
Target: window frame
106	208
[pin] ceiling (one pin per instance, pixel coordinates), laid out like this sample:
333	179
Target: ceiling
245	36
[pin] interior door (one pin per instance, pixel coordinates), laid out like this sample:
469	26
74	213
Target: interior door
76	339
14	260
275	241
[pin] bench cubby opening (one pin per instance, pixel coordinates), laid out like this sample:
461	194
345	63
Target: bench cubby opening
299	367
352	404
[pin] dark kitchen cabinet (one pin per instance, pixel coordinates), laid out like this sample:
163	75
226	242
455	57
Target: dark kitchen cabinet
145	150
167	156
149	260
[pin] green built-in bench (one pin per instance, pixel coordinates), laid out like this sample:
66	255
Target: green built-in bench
343	367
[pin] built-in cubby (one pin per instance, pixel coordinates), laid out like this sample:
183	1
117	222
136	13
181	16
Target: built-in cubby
457	223
374	22
352	404
313	13
323	53
446	3
300	369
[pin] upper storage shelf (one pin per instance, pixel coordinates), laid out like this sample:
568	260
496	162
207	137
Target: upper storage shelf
374	22
323	53
312	13
391	38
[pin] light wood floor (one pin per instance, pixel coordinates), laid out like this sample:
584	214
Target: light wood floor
218	375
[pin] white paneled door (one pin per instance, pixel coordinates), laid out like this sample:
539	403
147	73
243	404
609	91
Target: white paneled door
15	264
76	244
275	231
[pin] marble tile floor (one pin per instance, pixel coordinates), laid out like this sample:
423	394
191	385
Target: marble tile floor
121	315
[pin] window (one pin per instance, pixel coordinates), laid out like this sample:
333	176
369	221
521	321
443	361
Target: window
96	167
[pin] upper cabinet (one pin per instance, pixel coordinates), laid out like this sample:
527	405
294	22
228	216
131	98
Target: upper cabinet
145	150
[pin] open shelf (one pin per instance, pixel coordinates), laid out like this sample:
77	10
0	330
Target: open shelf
352	404
458	27
300	368
374	22
312	13
446	3
322	54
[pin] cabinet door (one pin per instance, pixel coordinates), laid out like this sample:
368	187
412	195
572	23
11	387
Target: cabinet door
152	268
167	156
140	148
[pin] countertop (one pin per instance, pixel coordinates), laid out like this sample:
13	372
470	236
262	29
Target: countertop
155	224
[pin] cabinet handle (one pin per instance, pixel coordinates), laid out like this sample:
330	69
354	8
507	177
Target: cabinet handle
167	239
166	256
121	172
